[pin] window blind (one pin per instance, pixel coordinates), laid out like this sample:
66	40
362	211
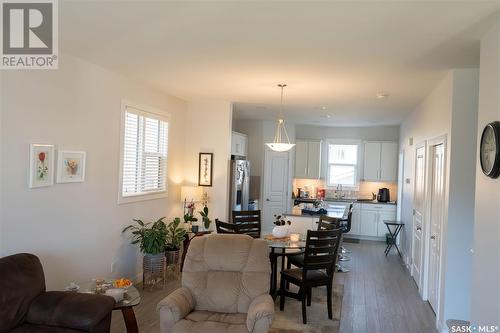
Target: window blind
145	149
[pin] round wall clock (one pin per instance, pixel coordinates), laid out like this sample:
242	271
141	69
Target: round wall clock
489	150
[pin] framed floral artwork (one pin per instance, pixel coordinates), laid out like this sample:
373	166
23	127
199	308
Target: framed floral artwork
205	171
41	169
70	166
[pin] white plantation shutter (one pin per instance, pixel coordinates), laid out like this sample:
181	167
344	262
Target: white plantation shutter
145	149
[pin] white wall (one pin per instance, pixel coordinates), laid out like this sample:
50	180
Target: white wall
459	229
450	110
76	228
208	130
430	119
485	301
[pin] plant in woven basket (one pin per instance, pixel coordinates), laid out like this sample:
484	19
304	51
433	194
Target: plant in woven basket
151	236
175	235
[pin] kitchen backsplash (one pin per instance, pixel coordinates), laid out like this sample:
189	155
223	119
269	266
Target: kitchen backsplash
365	188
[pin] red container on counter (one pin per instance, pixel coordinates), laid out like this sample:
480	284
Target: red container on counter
320	193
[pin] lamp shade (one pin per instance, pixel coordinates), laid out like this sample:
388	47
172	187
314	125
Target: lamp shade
190	193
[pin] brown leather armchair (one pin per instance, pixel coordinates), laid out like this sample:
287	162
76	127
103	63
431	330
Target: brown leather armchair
25	306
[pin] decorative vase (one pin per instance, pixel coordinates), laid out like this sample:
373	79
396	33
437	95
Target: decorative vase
153	270
280	231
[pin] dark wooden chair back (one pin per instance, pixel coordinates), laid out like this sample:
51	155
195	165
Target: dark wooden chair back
348	221
328	223
321	250
224	227
248	222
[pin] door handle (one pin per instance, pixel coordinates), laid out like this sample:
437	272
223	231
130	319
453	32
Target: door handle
419	228
268	200
433	237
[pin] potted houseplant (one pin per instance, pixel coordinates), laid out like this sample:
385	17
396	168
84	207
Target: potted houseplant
151	237
175	237
281	229
189	219
204	218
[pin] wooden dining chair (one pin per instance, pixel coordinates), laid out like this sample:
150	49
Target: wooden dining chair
249	222
225	228
325	223
320	256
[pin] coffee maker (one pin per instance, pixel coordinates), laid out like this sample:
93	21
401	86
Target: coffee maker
383	195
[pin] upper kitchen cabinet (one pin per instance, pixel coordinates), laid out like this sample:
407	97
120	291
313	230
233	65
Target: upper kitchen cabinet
307	159
381	161
238	144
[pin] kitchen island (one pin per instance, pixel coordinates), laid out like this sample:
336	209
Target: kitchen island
302	222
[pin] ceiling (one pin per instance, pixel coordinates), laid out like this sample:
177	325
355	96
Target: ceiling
335	56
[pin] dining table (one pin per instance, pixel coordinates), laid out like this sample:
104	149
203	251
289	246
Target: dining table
282	247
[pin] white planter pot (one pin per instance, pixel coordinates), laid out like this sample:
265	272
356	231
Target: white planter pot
280	231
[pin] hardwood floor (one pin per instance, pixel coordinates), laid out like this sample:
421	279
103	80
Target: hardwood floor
379	296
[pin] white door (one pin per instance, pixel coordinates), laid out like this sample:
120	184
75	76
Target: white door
436	219
313	159
301	159
372	161
418	213
275	187
389	161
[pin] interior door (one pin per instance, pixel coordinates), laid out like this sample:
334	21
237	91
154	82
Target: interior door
276	183
418	213
436	219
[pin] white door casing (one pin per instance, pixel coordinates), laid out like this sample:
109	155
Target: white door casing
437	203
418	216
276	184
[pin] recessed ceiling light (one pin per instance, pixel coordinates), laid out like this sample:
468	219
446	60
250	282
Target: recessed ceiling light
326	116
323	108
382	95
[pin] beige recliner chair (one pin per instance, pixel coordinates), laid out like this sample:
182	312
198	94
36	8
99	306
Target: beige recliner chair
225	288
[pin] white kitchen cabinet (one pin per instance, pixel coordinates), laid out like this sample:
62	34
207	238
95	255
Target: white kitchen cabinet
368	223
372	161
389	162
300	224
356	220
307	159
372	217
238	144
380	161
384	216
301	159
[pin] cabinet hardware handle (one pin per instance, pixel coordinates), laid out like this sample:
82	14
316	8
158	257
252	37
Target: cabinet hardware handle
433	237
419	228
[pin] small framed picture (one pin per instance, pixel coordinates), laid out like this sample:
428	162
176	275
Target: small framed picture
205	169
70	166
41	170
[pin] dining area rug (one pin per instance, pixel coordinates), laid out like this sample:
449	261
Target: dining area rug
290	320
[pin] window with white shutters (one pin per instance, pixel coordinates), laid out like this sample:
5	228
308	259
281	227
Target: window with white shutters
144	155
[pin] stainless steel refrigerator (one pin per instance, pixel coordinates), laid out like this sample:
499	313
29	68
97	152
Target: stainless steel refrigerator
239	185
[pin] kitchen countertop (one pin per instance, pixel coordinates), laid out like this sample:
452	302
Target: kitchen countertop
330	212
358	201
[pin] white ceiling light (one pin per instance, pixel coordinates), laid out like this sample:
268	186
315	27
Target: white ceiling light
279	144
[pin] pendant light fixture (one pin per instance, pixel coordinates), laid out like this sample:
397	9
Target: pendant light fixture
279	143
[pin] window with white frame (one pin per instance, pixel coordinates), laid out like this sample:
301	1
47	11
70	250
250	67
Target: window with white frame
144	151
342	164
